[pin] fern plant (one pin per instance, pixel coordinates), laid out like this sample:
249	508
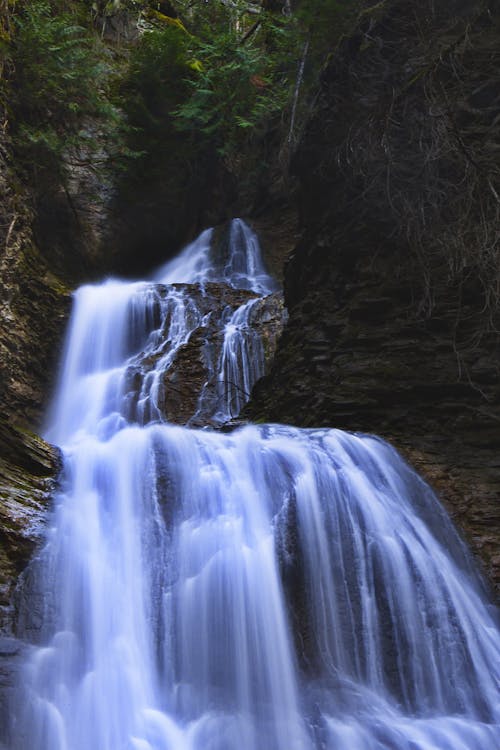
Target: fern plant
238	88
57	86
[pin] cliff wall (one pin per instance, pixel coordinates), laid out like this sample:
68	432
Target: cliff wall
33	310
392	289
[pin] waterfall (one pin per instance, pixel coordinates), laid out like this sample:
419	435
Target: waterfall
267	589
235	259
241	363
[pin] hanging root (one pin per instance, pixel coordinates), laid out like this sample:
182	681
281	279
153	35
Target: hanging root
423	149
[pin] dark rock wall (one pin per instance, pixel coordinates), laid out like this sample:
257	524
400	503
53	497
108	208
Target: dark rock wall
392	290
28	467
33	310
34	305
28	473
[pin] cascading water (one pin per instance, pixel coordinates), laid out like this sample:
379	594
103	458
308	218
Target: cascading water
272	588
241	363
237	261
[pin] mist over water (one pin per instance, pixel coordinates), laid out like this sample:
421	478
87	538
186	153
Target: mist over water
268	589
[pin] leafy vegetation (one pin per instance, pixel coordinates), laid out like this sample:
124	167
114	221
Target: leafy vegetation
235	89
223	73
176	104
214	75
58	88
155	84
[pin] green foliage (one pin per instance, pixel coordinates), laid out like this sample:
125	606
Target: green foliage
251	64
57	86
237	89
154	86
205	81
211	81
155	82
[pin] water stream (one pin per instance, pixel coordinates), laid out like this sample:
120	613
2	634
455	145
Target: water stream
268	589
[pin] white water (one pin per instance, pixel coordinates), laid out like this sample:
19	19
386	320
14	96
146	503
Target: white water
117	326
241	363
270	589
237	262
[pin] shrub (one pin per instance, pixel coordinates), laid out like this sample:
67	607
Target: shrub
57	85
237	89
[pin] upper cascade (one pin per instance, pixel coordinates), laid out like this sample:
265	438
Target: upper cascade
185	347
236	260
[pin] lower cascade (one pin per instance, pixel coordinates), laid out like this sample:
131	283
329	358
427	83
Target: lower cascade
266	589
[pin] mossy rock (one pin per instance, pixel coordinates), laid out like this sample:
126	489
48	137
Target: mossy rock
29	468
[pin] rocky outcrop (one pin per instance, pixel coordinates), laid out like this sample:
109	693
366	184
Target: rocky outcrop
28	471
193	369
392	289
34	305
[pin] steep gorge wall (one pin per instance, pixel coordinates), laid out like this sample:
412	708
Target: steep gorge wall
392	290
33	311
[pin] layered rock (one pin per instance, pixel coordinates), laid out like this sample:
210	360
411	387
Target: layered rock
28	471
194	368
392	289
34	306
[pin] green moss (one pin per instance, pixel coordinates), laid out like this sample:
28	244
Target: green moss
55	283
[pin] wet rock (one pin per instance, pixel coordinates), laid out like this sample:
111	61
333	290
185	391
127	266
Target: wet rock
392	329
34	308
193	369
28	472
268	318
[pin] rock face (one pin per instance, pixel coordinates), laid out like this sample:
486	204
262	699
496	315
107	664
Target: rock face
391	290
34	306
194	368
33	310
28	467
28	471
